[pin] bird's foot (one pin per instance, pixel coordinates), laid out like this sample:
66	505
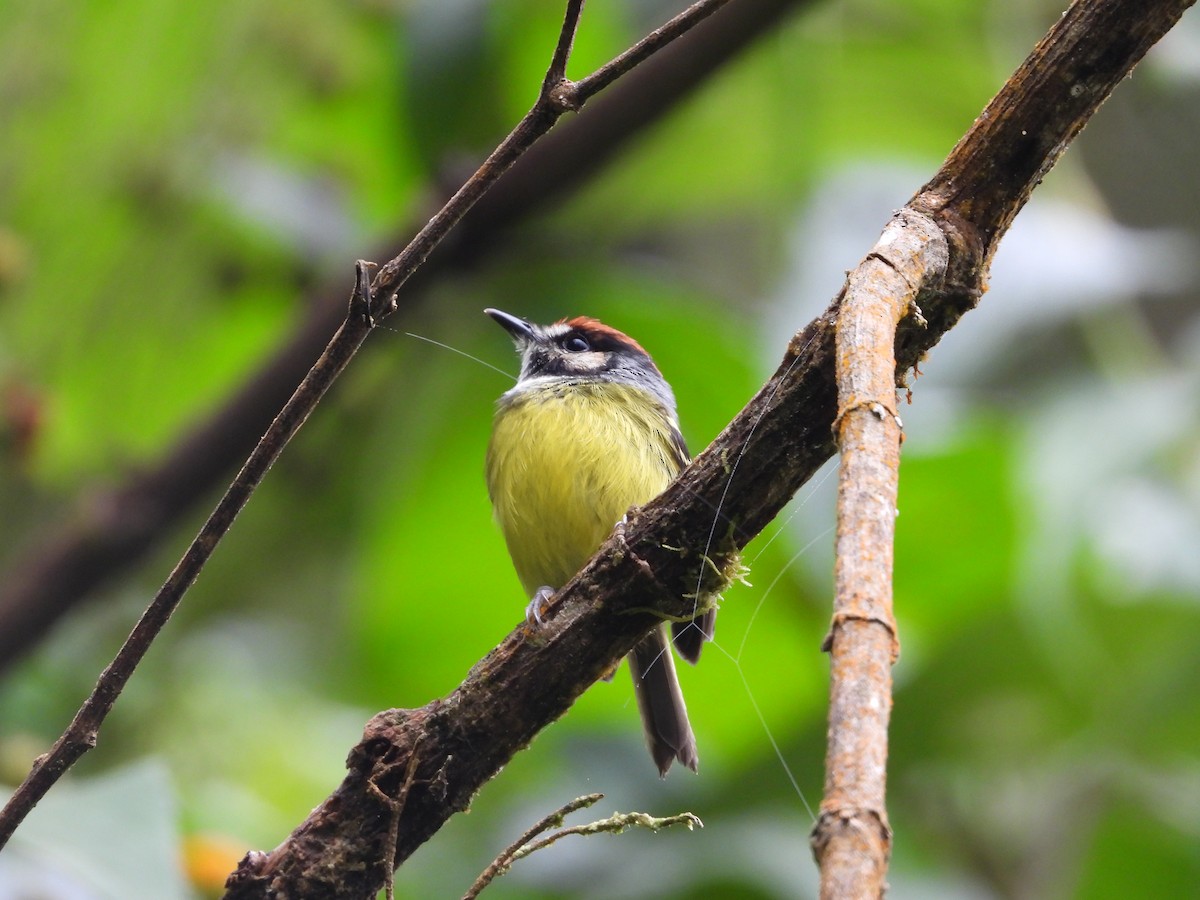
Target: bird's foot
538	605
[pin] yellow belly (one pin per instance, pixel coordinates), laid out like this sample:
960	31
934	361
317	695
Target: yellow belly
564	465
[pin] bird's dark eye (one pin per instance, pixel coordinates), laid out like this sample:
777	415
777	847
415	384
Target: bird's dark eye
576	343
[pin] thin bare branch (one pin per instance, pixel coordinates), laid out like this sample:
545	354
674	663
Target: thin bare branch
562	52
395	807
81	735
647	46
368	305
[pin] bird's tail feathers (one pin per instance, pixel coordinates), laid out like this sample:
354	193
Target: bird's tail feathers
660	701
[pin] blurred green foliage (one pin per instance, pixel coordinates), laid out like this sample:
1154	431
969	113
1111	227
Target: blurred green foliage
177	177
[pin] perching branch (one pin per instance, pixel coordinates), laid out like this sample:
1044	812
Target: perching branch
749	472
110	530
369	304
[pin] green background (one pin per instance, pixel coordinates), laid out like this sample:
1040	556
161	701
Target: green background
176	178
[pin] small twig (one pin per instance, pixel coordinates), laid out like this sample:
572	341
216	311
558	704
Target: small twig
395	810
646	47
557	96
562	51
614	824
501	863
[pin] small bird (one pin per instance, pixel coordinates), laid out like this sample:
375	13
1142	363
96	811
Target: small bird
589	430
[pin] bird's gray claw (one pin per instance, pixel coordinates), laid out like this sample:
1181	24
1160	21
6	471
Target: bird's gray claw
538	605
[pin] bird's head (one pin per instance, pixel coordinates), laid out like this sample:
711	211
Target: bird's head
581	349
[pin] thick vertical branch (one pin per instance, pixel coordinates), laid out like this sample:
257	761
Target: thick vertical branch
852	839
972	200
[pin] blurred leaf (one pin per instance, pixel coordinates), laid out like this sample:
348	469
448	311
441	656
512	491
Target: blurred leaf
68	847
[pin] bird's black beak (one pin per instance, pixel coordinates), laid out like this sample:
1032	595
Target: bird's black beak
522	332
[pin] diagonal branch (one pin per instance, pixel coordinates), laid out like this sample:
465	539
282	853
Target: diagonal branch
761	458
368	305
